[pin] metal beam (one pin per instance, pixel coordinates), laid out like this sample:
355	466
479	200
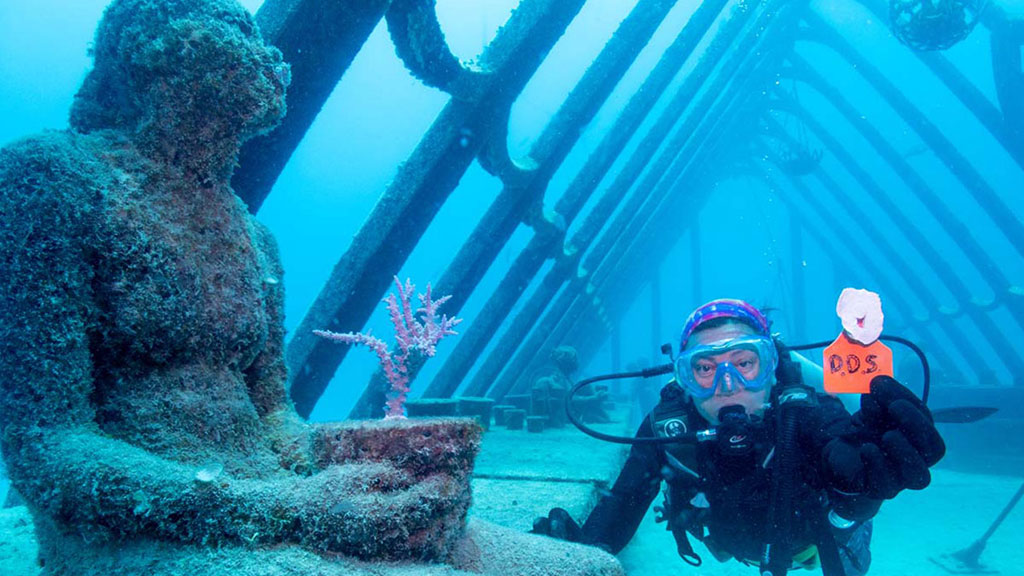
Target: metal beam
623	273
983	194
851	255
969	95
418	191
987	267
990	271
520	199
614	282
596	220
419	42
475	337
623	242
865	227
319	39
614	295
1007	43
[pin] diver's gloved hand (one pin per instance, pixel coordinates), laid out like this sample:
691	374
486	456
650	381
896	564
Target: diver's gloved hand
558	524
894	444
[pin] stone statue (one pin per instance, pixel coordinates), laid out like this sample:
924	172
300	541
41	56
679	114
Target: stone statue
549	392
142	383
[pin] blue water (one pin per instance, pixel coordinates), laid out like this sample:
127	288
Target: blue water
747	248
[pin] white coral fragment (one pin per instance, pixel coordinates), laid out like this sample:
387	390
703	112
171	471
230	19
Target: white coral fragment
208	474
861	314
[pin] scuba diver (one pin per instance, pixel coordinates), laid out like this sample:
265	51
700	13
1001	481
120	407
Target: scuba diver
783	477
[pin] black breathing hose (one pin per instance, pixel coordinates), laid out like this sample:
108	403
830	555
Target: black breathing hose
690	437
791	400
778	553
925	368
693	437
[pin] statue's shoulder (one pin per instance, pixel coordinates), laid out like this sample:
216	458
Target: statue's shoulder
49	161
50	179
46	150
265	241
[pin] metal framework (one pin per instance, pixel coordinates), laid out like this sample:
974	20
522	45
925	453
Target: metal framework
744	56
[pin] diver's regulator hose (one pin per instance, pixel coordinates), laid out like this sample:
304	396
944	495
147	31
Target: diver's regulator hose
705	435
793	399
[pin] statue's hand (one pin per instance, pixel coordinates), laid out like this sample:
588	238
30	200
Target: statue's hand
419	447
291	439
375	510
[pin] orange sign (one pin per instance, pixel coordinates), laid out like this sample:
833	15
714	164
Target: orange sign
850	366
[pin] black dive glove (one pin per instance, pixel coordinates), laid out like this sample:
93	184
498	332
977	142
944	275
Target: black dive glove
891	446
558	524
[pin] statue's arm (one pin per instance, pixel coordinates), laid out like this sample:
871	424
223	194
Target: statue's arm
46	210
267	376
58	458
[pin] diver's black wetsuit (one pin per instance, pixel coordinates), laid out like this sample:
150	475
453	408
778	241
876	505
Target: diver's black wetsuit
722	497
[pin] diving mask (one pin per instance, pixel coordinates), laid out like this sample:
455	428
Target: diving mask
748	361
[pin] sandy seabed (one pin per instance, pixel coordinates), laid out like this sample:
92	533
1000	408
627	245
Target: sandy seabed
946	517
911	530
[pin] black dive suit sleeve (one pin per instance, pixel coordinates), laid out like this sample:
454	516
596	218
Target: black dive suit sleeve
824	423
618	513
831	422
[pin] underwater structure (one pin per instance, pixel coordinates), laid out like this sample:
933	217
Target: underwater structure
139	141
741	94
145	416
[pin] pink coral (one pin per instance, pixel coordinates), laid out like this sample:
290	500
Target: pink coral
411	335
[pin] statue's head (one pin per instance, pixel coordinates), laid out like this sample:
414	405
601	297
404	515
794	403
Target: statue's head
565	360
197	68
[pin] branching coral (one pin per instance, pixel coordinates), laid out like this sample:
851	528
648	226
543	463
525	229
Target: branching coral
411	335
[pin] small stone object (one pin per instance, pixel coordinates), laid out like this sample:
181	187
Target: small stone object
477	407
565	359
539	402
556	408
431	407
142	504
498	411
535	423
515	418
521	401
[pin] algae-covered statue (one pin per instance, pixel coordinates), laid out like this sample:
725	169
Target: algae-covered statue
142	384
589	404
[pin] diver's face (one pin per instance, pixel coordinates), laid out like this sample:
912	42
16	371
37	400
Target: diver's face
730	392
